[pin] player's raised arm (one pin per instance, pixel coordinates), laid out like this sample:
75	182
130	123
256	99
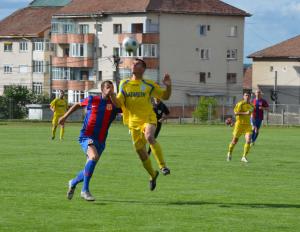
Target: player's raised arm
75	107
168	83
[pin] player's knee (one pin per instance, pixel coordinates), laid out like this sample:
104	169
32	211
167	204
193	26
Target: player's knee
150	138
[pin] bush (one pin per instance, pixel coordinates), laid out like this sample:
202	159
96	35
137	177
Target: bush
206	107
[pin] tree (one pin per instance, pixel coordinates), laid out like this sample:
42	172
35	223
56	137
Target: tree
206	106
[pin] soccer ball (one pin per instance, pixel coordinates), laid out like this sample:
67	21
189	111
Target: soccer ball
130	44
229	122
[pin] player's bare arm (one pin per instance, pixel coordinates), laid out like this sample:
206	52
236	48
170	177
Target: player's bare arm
168	83
75	107
115	100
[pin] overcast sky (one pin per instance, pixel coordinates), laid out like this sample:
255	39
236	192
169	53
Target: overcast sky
272	21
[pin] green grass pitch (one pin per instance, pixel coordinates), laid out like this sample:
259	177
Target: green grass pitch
203	192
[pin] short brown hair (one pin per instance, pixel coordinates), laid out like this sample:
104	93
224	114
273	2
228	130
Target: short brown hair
105	82
142	61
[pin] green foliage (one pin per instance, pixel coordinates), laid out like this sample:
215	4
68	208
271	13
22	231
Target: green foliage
13	102
206	106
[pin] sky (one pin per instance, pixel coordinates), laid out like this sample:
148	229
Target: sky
272	21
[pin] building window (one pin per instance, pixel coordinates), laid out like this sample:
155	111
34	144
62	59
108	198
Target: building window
77	50
98	28
203	29
204	54
76	96
38	66
8	46
137	28
100	76
84	29
117	28
149	50
209	75
23	45
100	52
23	68
55	28
8	68
233	31
68	28
116	51
231	54
202	77
37	87
38	45
62	73
231	78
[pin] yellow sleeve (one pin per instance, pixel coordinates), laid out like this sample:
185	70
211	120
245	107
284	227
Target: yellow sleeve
238	107
121	94
157	91
53	103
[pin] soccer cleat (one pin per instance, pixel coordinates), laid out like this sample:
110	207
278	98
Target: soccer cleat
244	159
87	196
152	183
71	190
252	144
229	157
165	171
53	137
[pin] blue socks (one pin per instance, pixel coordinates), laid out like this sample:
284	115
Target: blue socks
87	175
254	136
78	178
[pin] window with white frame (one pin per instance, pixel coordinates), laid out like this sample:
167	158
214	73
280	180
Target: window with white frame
149	50
55	27
8	68
84	29
37	87
116	51
23	46
62	73
98	28
231	78
23	68
38	45
68	28
77	50
38	66
8	46
202	77
76	96
204	53
203	29
56	93
117	28
231	54
233	31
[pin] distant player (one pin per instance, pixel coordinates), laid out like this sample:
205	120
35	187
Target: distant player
242	111
161	111
100	112
59	107
257	116
135	99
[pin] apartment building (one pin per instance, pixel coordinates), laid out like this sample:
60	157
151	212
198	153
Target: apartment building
276	70
200	43
25	46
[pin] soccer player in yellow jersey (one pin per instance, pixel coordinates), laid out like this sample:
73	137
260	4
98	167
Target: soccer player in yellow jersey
135	99
242	111
59	107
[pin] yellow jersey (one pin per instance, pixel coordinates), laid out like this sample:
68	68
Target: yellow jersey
243	106
59	106
135	98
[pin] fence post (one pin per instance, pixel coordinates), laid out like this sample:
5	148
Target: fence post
282	121
209	113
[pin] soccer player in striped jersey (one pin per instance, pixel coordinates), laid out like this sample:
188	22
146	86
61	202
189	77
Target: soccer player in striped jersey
135	99
242	111
59	107
257	116
100	112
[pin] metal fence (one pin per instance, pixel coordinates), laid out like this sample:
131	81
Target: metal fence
277	115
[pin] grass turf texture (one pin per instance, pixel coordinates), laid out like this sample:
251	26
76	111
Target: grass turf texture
203	192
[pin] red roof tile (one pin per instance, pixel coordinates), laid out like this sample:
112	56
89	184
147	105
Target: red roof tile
287	49
29	21
215	7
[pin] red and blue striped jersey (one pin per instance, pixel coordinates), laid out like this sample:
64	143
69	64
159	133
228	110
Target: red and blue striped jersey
99	115
258	113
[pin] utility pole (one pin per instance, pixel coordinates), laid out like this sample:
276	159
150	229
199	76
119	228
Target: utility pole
274	95
117	60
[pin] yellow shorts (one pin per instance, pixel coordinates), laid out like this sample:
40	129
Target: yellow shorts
241	129
137	133
56	118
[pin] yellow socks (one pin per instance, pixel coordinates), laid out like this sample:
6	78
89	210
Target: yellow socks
230	148
157	152
62	132
246	149
148	166
53	132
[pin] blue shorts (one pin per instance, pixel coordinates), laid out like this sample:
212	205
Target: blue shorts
256	123
85	142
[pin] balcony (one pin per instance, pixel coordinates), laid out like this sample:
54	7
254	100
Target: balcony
142	38
73	85
152	63
72	38
73	62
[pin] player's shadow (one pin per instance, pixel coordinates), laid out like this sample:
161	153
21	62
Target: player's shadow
200	203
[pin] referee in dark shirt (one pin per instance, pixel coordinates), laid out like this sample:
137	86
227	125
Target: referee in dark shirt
161	111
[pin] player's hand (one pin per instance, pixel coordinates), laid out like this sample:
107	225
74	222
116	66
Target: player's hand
61	121
161	120
167	80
